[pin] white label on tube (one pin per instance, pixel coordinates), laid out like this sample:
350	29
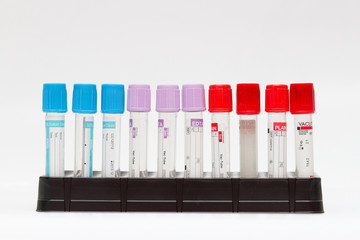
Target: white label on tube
84	133
220	137
193	147
138	144
277	135
111	146
166	144
88	148
219	149
55	147
304	145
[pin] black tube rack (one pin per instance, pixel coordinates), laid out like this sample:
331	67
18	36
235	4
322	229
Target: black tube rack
235	194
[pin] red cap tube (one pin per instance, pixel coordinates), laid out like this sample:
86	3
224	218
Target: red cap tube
220	98
302	98
247	99
277	98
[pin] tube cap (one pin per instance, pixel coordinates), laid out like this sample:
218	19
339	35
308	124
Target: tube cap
139	98
248	99
168	98
302	98
84	98
54	98
112	98
277	98
220	98
193	98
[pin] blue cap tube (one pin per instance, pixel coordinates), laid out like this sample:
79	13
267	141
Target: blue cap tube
84	106
54	98
112	98
84	99
112	105
54	105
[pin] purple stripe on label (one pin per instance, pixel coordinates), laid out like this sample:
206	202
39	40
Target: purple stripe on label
134	132
196	123
130	122
161	123
166	132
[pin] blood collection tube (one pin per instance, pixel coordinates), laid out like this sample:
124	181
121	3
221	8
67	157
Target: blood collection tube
277	105
54	105
84	106
138	104
168	106
302	106
112	107
220	106
193	104
248	109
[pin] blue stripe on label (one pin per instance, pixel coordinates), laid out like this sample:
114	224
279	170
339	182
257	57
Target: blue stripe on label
47	151
109	125
54	123
89	124
51	124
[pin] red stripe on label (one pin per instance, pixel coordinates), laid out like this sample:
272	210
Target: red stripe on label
280	126
306	128
220	136
214	127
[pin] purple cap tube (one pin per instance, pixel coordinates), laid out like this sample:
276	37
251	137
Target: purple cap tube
139	98
193	98
168	98
138	105
167	104
193	104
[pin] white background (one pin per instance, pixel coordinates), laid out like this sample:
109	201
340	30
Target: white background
163	42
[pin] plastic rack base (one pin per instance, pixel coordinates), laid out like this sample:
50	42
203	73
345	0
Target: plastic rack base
290	195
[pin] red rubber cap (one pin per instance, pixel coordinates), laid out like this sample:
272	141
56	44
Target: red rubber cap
302	98
248	99
220	98
277	98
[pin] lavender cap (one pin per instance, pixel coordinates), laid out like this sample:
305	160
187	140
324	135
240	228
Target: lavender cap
193	98
139	98
168	98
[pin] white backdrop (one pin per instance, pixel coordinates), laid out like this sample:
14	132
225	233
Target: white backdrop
178	42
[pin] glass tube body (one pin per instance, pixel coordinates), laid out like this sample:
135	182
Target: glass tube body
277	145
111	145
84	133
138	134
220	142
304	145
193	144
55	144
248	125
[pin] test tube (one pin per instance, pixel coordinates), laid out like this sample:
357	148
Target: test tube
220	106
168	105
193	104
302	106
277	105
54	106
138	104
112	107
84	106
248	109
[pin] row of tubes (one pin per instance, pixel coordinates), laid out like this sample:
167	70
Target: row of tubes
279	100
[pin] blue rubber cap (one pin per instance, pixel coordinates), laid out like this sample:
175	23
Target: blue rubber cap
84	98
54	98
112	98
